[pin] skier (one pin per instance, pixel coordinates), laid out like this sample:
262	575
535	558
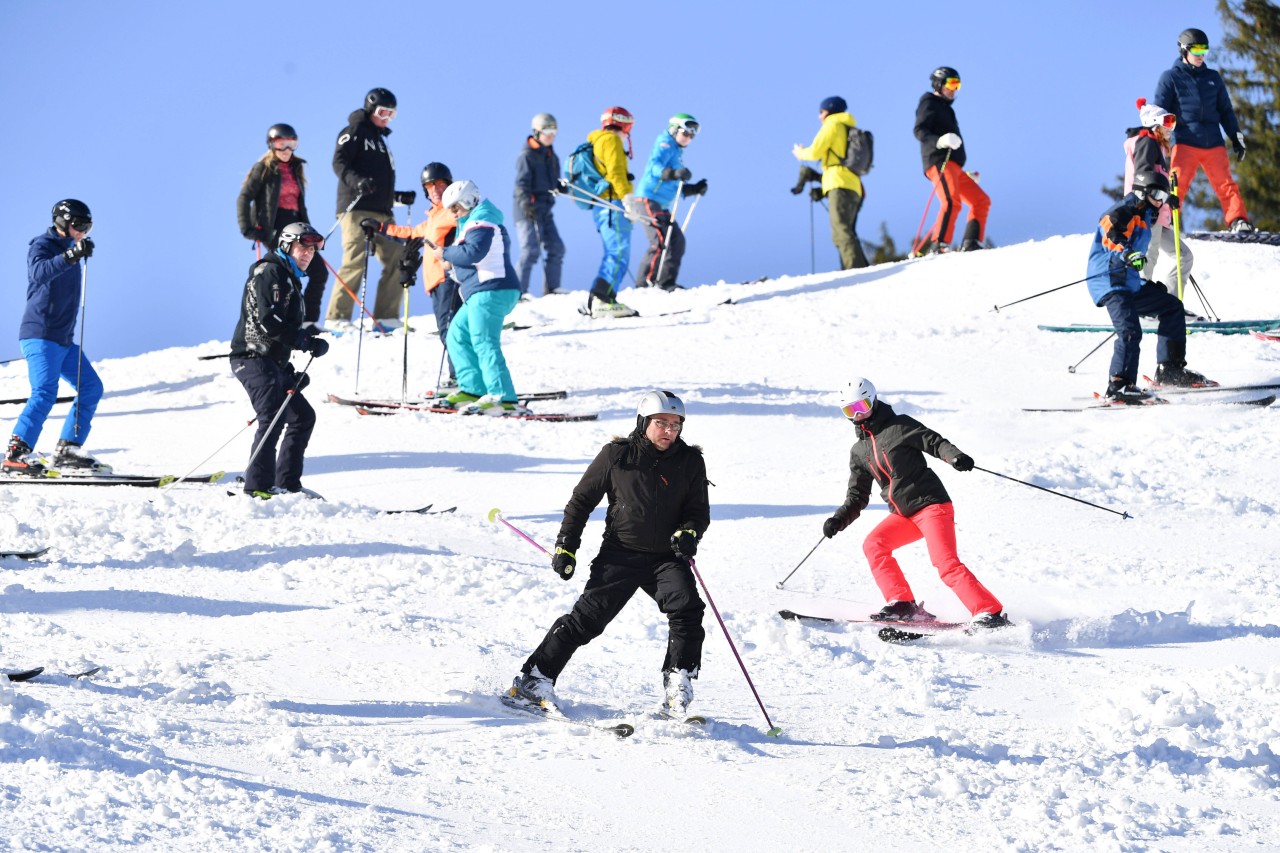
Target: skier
890	451
658	512
439	228
537	180
663	177
269	330
366	177
1195	93
274	194
942	151
54	280
1147	150
1118	254
842	187
612	224
480	261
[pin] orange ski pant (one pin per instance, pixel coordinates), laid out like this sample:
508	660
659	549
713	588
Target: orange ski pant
953	188
1186	161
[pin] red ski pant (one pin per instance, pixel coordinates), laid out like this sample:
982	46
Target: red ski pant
936	524
1186	161
954	188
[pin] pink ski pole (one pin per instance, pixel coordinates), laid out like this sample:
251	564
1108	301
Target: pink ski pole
495	514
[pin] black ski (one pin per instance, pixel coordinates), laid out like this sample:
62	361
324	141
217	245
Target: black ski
539	712
25	555
1266	238
423	510
28	674
16	400
1156	402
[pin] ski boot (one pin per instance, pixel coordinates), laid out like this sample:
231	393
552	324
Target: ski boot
903	611
70	456
20	460
1176	375
535	689
678	688
1123	392
988	622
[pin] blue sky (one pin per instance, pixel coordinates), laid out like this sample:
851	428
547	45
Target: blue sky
152	114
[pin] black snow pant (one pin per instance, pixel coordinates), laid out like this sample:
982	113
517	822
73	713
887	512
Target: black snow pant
615	577
665	237
268	384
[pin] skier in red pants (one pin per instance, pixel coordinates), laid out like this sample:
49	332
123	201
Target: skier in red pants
890	450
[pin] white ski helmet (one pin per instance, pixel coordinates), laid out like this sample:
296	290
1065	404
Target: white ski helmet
657	403
857	399
544	123
463	193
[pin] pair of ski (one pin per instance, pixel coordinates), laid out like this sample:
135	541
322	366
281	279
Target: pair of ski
1259	398
28	674
546	711
390	407
587	313
53	477
892	631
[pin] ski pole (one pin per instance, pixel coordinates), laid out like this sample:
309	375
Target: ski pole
84	299
364	294
352	294
350	208
1072	368
666	240
773	731
495	514
799	564
684	226
288	395
1177	235
404	370
1044	292
928	203
1213	315
813	249
203	461
942	182
1052	492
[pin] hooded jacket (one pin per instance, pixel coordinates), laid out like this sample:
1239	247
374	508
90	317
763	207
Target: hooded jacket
260	197
271	311
362	152
1123	229
53	290
890	452
481	253
652	494
829	147
666	154
611	160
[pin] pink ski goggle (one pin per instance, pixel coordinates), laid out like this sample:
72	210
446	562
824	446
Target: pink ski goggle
857	410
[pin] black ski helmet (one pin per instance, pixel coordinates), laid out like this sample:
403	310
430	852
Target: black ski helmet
1146	181
296	231
940	75
71	211
378	98
436	172
1191	36
280	131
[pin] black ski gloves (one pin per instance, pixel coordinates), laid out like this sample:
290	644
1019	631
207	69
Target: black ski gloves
298	381
1173	202
564	563
406	197
410	261
365	186
815	194
844	516
371	226
807	174
83	249
685	543
1137	260
696	188
681	174
256	233
314	345
962	462
1237	145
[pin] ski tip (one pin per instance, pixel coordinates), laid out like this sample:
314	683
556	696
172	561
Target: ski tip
494	513
624	729
774	732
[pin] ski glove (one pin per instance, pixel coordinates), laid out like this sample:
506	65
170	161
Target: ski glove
365	186
299	381
1238	145
407	197
564	563
371	226
815	194
962	462
1173	202
314	345
410	261
670	174
685	543
950	140
838	522
561	186
83	249
1137	260
698	188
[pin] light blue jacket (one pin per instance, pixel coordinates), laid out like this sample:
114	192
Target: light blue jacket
666	154
481	255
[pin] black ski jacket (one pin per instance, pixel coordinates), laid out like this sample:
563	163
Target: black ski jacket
652	494
259	198
935	117
271	312
890	450
362	152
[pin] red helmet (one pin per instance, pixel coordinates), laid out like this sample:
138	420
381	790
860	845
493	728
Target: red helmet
618	117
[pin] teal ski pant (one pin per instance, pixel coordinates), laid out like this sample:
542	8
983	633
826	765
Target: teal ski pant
474	342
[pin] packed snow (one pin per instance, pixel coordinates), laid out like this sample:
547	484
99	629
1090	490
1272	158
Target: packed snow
298	674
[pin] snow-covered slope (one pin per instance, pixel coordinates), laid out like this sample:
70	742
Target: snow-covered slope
304	675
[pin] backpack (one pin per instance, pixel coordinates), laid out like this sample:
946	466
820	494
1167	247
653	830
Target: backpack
858	152
583	176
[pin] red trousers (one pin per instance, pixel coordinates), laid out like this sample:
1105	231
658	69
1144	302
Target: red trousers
954	188
936	524
1186	161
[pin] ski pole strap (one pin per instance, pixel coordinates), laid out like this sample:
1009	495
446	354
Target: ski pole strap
560	551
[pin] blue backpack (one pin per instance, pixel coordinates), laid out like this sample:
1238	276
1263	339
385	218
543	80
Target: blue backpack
584	178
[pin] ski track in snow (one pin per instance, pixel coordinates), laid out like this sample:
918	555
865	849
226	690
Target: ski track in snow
305	675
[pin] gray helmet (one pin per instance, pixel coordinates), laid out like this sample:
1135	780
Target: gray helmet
300	231
72	211
544	122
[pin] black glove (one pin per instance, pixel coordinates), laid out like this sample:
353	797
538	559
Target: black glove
681	174
631	177
410	261
83	249
564	562
685	543
815	194
842	519
299	381
696	188
962	462
807	174
406	197
317	346
366	186
1237	145
371	226
561	186
256	233
1173	202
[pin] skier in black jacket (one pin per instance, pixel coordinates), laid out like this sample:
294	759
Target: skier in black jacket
943	155
658	511
269	330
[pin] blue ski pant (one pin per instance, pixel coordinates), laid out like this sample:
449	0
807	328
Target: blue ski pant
615	232
537	235
475	344
1126	308
46	362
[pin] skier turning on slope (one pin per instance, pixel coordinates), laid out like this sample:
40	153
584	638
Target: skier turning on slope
658	512
890	452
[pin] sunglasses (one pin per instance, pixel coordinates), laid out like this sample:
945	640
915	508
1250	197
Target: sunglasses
1198	49
857	410
283	143
386	113
952	83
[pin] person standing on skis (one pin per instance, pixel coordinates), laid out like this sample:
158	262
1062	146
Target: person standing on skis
943	153
663	177
658	512
613	223
890	452
537	183
1147	150
841	185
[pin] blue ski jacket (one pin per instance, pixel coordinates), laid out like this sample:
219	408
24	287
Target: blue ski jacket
481	253
53	290
666	153
1123	229
1198	97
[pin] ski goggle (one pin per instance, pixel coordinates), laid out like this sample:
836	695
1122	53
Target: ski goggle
80	224
952	83
689	127
1197	49
385	113
857	410
311	241
281	143
1169	121
1156	197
